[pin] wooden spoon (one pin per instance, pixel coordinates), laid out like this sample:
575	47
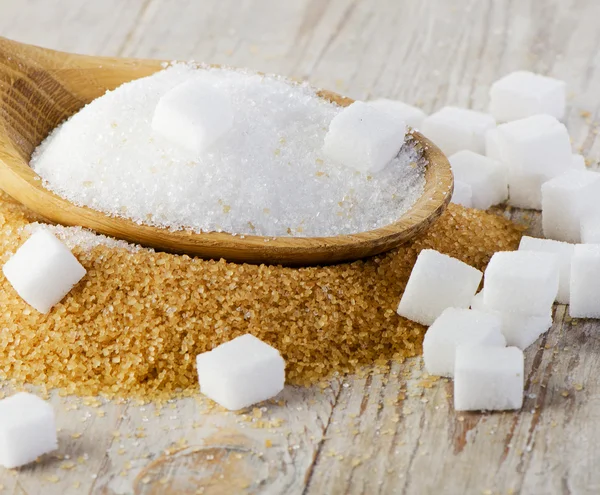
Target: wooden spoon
40	88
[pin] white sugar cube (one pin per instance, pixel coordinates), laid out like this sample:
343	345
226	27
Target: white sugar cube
565	199
437	282
585	281
578	162
193	115
411	115
522	94
454	129
486	177
522	281
519	329
590	228
27	429
241	372
493	145
564	251
456	327
43	271
364	138
463	194
488	378
536	145
525	191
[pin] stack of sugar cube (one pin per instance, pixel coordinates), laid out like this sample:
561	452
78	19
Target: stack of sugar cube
529	147
578	286
468	344
492	163
521	286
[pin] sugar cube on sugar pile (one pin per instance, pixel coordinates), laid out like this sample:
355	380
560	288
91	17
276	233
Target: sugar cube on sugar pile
488	378
437	282
43	271
522	281
193	115
241	372
454	327
486	177
585	281
27	429
455	129
411	115
364	137
463	194
564	251
565	200
519	329
523	94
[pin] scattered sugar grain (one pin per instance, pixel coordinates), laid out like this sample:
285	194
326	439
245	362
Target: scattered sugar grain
83	239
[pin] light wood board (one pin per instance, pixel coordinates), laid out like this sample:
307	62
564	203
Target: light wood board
385	434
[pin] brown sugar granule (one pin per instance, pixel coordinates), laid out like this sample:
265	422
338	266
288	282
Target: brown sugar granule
135	323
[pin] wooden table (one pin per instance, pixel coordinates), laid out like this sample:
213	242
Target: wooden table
388	434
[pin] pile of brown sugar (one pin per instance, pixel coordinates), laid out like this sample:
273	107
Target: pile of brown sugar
135	323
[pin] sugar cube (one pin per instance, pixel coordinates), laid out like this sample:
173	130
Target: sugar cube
454	327
564	251
525	191
519	329
522	94
578	162
43	271
454	129
241	372
488	378
522	281
364	138
590	228
27	429
565	199
411	115
585	281
486	177
536	145
463	194
437	282
193	115
493	145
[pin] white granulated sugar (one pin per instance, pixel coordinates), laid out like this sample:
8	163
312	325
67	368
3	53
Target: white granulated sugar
265	176
86	240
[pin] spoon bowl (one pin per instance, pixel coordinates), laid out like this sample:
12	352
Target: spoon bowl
39	88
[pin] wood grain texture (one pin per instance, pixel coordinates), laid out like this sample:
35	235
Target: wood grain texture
390	434
40	88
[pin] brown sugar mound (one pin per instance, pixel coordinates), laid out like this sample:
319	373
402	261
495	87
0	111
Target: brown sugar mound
135	323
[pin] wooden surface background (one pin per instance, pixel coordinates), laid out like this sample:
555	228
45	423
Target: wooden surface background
388	434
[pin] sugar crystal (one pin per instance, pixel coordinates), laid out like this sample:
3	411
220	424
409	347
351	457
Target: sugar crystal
266	176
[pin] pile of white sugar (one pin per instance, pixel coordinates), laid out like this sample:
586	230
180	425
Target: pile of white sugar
266	176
